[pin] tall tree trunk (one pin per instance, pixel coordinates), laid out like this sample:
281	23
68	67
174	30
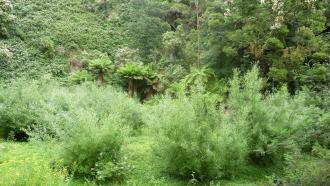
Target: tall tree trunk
131	87
100	79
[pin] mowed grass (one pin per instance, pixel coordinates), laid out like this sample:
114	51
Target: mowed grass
26	164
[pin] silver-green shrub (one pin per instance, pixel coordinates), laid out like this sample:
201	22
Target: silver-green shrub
45	109
198	138
195	140
92	149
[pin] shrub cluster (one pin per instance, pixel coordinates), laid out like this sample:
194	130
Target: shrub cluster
92	149
89	122
198	138
46	109
194	140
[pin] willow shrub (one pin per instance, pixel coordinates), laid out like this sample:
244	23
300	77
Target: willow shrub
44	109
269	122
198	138
92	149
89	122
19	107
195	141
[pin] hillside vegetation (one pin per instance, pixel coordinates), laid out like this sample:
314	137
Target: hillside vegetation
165	92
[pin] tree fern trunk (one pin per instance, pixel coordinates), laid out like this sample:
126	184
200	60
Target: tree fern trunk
100	79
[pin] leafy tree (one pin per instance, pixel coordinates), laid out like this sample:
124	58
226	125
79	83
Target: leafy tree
172	44
147	35
282	36
145	26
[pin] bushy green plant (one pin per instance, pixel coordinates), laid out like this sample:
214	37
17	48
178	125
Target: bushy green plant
134	70
45	109
80	77
269	122
273	44
196	141
307	170
47	47
69	103
200	137
19	107
126	55
317	133
92	149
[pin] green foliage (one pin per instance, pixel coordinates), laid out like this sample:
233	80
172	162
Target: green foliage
310	170
199	76
100	65
268	133
145	26
187	48
135	71
315	134
46	110
283	36
126	55
80	76
6	17
70	30
273	44
172	73
195	140
173	44
199	139
5	54
138	76
23	164
20	108
92	149
47	47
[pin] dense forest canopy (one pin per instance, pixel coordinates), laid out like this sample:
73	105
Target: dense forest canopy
165	92
289	40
